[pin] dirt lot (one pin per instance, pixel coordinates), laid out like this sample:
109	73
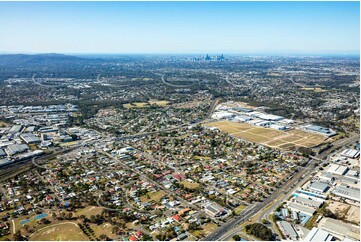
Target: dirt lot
352	213
269	137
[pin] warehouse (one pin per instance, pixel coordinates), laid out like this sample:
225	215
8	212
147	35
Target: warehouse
269	117
288	230
319	187
242	118
326	177
15	129
308	202
243	110
340	229
301	209
30	138
348	192
350	153
2	153
320	130
317	234
223	115
337	169
16	148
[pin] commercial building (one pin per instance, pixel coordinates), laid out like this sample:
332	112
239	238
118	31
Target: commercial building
317	234
214	210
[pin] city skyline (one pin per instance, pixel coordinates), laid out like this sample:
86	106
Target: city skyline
180	27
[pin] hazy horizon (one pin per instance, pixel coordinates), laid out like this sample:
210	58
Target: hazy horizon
180	27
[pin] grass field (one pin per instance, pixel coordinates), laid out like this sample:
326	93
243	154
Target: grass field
153	196
59	232
239	209
88	211
269	137
105	228
209	228
190	185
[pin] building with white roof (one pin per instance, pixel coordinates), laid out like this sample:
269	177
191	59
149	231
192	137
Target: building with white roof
340	229
350	153
317	234
337	169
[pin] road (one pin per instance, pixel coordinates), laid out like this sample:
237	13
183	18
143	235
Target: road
173	85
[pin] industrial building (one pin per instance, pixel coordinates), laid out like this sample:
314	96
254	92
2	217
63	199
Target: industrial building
348	192
350	153
317	234
15	129
326	177
308	202
30	138
340	229
319	130
223	115
287	230
319	187
16	148
301	209
337	169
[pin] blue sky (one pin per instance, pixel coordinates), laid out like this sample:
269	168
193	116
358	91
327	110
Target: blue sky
180	27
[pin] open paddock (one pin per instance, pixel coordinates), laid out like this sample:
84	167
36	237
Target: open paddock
270	137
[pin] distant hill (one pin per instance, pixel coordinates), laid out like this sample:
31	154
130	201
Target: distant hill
40	60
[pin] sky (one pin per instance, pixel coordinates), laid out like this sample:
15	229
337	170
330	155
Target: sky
180	27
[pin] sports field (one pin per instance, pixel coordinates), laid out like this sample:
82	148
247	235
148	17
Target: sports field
66	231
269	137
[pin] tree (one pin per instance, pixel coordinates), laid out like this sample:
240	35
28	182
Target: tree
18	236
236	237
